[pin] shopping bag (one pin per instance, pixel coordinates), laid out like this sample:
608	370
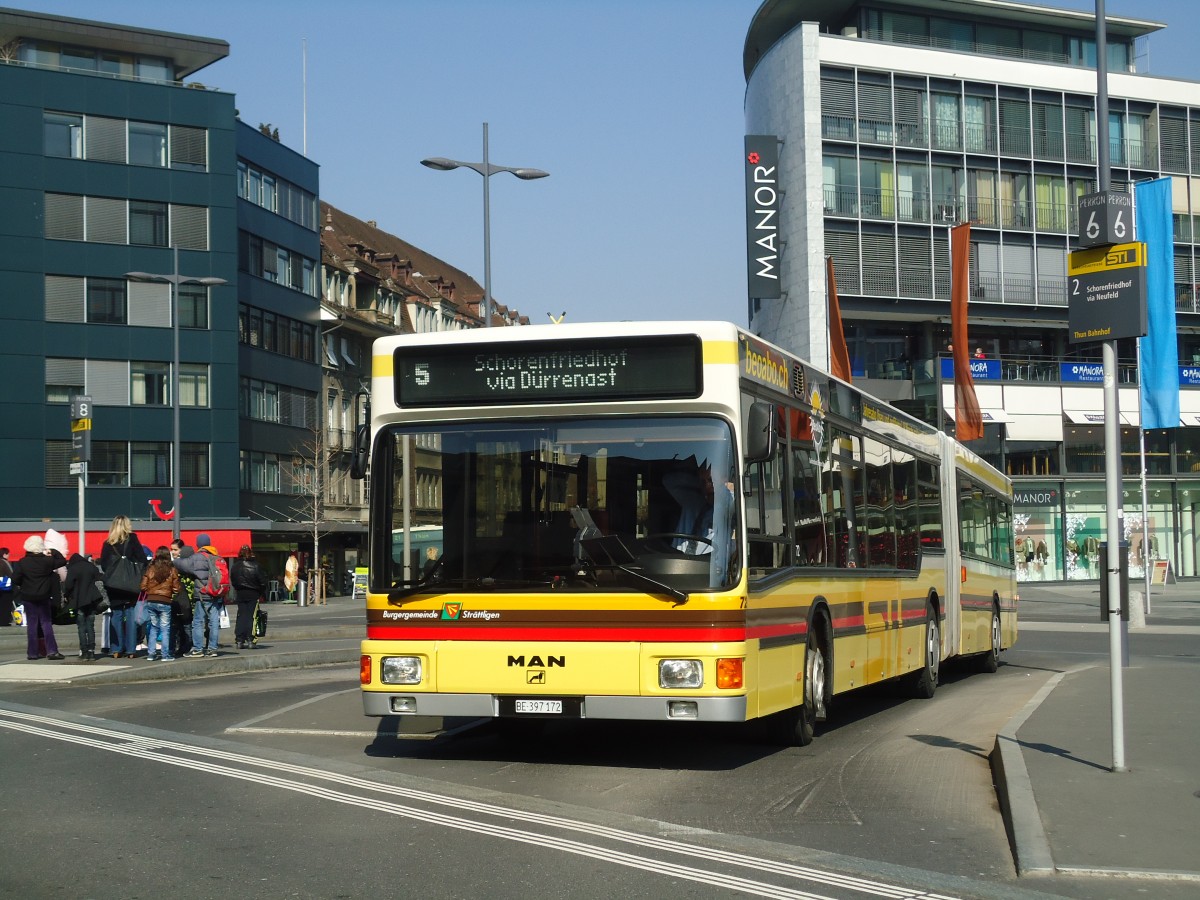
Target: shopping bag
18	615
124	575
224	617
260	622
140	613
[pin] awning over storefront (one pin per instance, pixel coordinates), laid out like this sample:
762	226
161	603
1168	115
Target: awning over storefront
1096	417
1085	416
1034	428
990	416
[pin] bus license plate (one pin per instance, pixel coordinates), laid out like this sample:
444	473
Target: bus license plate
541	707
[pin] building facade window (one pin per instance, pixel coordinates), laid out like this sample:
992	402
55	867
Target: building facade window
63	135
147	144
109	220
193	385
280	196
148	223
194	465
150	464
104	139
193	306
149	383
264	259
276	333
106	303
259	472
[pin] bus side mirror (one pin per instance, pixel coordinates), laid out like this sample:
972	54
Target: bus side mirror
362	448
760	432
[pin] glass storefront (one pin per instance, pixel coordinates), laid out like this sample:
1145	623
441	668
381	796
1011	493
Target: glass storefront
1037	524
1059	526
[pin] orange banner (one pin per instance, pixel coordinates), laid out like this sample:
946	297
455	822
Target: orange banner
839	356
968	422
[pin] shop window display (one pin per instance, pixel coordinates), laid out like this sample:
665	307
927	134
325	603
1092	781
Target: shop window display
1037	523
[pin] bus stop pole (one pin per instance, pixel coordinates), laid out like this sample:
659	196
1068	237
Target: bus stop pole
1112	430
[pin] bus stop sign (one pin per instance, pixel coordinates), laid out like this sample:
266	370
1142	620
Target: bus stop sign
1106	287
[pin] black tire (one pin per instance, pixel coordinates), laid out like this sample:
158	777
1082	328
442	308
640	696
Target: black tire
925	680
796	727
989	662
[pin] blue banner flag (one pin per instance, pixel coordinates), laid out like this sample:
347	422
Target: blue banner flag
1159	348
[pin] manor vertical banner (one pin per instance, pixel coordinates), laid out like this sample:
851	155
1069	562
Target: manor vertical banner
762	216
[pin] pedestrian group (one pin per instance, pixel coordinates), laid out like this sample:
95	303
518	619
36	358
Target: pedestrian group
170	601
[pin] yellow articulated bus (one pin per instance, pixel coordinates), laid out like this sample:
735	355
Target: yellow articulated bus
662	521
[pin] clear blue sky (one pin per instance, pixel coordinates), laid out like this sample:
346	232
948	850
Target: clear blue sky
633	106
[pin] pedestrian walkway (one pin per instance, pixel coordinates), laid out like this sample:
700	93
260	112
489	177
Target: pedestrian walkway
1067	811
296	636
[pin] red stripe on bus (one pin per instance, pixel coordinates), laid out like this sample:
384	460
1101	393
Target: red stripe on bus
468	633
770	631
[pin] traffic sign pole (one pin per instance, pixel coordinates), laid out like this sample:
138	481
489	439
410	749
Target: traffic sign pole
81	453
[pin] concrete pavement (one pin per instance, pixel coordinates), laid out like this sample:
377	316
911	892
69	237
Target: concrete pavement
296	636
1066	811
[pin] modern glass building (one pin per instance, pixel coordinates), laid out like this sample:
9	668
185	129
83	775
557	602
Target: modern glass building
899	120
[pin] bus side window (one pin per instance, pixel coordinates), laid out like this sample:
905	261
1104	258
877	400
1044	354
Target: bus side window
908	522
765	516
806	507
929	501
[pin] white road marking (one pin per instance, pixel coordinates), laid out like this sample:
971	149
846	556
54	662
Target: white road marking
115	741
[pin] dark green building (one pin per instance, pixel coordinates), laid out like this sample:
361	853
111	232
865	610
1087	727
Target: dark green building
110	163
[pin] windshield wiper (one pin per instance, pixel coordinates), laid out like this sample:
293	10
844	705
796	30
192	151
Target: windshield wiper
610	552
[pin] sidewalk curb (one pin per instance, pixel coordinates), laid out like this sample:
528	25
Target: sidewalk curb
1018	805
227	663
1014	790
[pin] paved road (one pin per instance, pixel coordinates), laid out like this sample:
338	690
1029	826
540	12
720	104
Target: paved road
1076	827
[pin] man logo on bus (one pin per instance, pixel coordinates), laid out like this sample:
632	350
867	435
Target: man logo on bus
452	611
535	676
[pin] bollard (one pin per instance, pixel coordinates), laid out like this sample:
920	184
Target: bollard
302	593
1137	610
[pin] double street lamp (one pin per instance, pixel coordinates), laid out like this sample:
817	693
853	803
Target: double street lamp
487	170
175	280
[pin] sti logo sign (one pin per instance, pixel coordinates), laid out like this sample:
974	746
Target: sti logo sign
762	216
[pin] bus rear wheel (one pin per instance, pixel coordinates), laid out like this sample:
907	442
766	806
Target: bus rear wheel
989	662
925	680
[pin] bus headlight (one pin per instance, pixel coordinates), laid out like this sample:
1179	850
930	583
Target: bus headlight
400	670
680	673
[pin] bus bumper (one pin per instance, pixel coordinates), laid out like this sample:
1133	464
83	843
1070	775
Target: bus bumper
653	709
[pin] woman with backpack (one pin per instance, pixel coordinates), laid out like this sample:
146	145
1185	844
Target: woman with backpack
249	586
210	578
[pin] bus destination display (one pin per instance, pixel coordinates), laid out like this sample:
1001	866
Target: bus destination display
661	367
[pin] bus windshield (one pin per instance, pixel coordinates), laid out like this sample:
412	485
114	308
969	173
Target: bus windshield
575	505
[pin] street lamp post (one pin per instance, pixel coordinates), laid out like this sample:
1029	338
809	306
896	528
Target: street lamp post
487	170
175	280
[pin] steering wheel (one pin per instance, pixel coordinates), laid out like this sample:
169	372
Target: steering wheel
669	536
